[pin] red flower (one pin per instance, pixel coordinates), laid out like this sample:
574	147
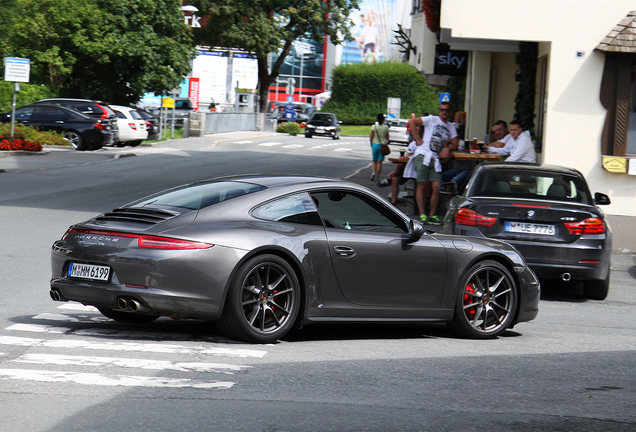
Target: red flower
432	11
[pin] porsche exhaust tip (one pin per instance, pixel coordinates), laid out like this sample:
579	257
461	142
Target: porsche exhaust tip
56	295
129	305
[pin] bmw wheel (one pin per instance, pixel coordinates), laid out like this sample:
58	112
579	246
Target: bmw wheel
263	301
74	139
597	289
486	302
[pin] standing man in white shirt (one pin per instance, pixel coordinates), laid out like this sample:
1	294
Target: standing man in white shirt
440	138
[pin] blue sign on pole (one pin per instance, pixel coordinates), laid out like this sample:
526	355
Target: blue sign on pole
444	97
290	99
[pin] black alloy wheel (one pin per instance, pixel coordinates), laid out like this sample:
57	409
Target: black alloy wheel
486	302
263	301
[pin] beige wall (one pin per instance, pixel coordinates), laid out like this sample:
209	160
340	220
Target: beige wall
502	103
574	116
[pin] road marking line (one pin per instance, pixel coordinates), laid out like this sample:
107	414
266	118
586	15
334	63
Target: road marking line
132	346
342	150
294	146
270	144
102	380
55	359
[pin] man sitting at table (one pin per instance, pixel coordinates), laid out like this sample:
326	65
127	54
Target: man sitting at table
519	148
499	135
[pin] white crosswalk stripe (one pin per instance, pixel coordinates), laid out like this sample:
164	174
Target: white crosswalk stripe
56	360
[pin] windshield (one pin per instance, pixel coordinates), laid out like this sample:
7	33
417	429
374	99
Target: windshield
323	117
531	185
199	195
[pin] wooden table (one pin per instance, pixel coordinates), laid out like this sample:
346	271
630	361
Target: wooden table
477	157
399	160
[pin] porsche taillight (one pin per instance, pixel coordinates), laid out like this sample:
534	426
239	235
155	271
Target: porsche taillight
470	217
144	241
589	226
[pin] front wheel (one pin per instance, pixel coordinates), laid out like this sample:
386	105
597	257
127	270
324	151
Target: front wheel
263	301
307	135
486	301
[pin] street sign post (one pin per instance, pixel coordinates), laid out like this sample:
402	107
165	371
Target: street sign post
16	70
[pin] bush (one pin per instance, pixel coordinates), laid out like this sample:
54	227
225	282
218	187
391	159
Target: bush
28	138
291	128
28	94
359	92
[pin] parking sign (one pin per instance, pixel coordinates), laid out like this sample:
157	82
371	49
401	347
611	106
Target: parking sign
16	69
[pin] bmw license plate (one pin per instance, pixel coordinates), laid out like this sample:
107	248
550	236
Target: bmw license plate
89	271
529	228
320	129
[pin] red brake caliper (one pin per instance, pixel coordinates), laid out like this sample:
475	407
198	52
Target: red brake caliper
468	299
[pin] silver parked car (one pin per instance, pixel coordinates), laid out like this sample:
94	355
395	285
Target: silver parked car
398	131
260	254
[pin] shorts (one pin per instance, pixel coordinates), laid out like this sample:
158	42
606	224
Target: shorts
426	173
375	150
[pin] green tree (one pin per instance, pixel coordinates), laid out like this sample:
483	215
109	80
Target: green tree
360	91
261	27
114	50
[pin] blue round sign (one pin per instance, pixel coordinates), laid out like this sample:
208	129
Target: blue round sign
290	99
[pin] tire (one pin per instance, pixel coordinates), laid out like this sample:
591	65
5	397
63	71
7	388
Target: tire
597	289
307	135
134	143
262	302
126	317
486	301
120	144
74	138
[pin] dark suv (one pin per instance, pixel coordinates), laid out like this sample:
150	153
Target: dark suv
89	107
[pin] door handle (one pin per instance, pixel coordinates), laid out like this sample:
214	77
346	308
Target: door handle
344	251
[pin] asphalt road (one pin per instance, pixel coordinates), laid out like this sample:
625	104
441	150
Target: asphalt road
64	367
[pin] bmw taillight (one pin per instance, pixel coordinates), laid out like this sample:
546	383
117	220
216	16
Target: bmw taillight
470	217
144	241
589	226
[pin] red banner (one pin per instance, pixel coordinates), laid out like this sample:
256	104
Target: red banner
193	93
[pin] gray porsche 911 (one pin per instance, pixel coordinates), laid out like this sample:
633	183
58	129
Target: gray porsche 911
261	254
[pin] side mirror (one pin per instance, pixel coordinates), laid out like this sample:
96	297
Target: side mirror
601	199
416	230
448	188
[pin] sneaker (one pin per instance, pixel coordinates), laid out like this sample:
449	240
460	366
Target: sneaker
383	183
423	218
434	220
372	176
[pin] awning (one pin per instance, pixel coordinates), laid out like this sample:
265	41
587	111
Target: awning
622	38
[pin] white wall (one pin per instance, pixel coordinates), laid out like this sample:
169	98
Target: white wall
575	116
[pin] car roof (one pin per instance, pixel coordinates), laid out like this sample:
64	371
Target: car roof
526	167
74	100
122	108
62	107
275	180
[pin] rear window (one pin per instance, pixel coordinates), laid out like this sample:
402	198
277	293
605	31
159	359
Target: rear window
531	185
200	195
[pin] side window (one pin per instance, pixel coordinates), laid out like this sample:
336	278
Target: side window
356	212
295	209
120	114
24	113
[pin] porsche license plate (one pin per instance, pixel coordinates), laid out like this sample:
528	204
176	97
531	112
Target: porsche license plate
89	271
529	228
